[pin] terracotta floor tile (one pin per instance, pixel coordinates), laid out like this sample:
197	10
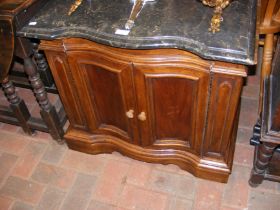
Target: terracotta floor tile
12	143
84	163
244	135
180	204
236	191
27	95
54	152
251	91
18	205
55	176
11	128
244	155
264	201
208	195
7	162
139	173
248	113
185	173
23	190
29	159
96	205
231	208
111	182
267	186
172	183
46	137
140	199
5	203
120	157
21	133
253	80
80	194
51	199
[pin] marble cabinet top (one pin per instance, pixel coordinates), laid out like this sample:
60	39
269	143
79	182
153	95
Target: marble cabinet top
181	24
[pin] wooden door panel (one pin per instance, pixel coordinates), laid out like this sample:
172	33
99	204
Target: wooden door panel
106	93
170	105
108	88
175	105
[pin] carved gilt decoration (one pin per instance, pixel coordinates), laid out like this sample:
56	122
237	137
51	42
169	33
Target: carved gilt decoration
217	18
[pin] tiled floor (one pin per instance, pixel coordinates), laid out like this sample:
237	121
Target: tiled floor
36	173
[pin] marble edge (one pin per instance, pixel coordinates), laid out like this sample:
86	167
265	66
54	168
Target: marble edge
253	31
162	42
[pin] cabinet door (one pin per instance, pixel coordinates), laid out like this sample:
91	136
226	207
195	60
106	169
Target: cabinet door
105	90
172	103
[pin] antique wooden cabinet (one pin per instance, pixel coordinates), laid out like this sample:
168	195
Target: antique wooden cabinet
165	106
165	91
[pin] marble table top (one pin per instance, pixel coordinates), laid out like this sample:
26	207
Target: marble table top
181	24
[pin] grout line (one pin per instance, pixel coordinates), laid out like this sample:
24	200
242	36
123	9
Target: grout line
68	192
12	204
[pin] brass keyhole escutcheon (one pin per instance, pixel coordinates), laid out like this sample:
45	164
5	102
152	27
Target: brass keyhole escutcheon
142	116
130	113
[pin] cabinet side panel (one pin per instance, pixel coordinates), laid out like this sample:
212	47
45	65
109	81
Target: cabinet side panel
223	109
64	83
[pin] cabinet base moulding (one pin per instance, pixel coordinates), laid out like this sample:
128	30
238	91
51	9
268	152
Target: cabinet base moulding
100	144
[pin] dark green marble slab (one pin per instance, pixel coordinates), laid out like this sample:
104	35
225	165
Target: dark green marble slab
181	24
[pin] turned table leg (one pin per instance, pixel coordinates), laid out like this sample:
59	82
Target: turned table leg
48	112
17	105
43	67
266	65
264	153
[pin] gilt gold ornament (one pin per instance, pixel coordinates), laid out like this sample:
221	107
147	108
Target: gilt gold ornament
217	18
74	6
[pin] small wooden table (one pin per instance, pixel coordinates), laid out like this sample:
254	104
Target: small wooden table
13	15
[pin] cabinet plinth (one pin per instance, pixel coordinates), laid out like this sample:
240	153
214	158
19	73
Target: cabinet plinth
163	105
